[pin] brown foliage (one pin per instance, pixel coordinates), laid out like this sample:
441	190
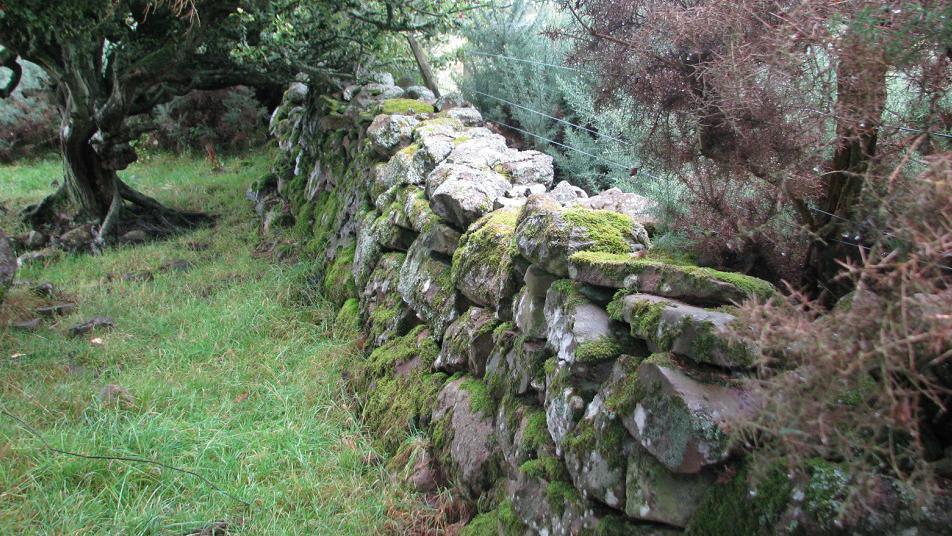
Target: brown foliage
770	109
868	384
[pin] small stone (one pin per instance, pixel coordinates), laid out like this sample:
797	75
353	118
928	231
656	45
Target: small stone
60	309
138	277
35	240
77	238
421	93
30	325
97	322
41	256
135	236
116	396
177	265
8	265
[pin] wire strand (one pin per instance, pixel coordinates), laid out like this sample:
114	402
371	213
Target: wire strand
542	63
48	446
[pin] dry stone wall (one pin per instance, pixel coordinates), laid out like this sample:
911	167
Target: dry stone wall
564	376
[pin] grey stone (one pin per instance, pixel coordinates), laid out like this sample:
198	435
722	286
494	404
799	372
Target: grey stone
529	305
465	193
682	422
387	133
467	115
566	194
450	101
654	493
526	168
93	324
387	316
421	93
639	208
426	286
467	343
441	239
579	330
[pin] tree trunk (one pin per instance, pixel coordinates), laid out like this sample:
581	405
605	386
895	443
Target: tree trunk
424	64
90	186
861	100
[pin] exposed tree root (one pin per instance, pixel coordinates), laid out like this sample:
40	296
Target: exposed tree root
45	211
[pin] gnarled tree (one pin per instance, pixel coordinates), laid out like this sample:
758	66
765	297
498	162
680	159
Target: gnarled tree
117	59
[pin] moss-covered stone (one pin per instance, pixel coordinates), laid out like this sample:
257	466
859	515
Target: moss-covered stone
703	335
486	524
483	262
426	286
398	391
737	507
339	284
548	235
347	322
666	276
403	106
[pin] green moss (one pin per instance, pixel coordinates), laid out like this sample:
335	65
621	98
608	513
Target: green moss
548	468
733	508
480	400
461	139
601	349
827	489
489	244
609	231
402	106
395	406
626	392
482	525
560	493
509	522
339	284
535	436
348	318
549	366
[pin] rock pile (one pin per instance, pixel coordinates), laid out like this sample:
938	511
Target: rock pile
569	379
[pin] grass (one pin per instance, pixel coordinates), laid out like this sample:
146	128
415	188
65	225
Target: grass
232	376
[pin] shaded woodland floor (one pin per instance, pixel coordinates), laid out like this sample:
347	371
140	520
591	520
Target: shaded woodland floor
220	362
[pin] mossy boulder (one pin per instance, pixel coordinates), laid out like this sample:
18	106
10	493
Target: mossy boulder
386	314
388	133
639	208
367	250
397	388
427	287
521	433
516	365
463	436
667	277
579	331
391	229
435	137
347	321
441	239
402	169
654	493
483	263
703	335
681	421
547	235
527	168
8	265
416	212
467	343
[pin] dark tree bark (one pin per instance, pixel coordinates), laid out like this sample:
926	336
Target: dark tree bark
424	65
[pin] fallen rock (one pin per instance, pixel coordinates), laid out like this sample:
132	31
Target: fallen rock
528	309
483	264
670	279
59	309
699	334
116	396
682	422
43	256
8	265
94	323
467	343
464	436
427	287
32	324
43	290
35	240
547	235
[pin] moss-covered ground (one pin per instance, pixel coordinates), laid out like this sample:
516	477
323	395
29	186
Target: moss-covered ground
231	374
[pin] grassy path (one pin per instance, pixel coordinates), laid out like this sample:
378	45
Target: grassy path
229	374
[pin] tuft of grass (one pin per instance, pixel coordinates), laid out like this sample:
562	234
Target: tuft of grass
229	374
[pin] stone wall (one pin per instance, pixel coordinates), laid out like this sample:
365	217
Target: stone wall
563	376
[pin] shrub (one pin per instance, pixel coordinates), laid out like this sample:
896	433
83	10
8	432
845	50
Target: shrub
228	120
868	384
